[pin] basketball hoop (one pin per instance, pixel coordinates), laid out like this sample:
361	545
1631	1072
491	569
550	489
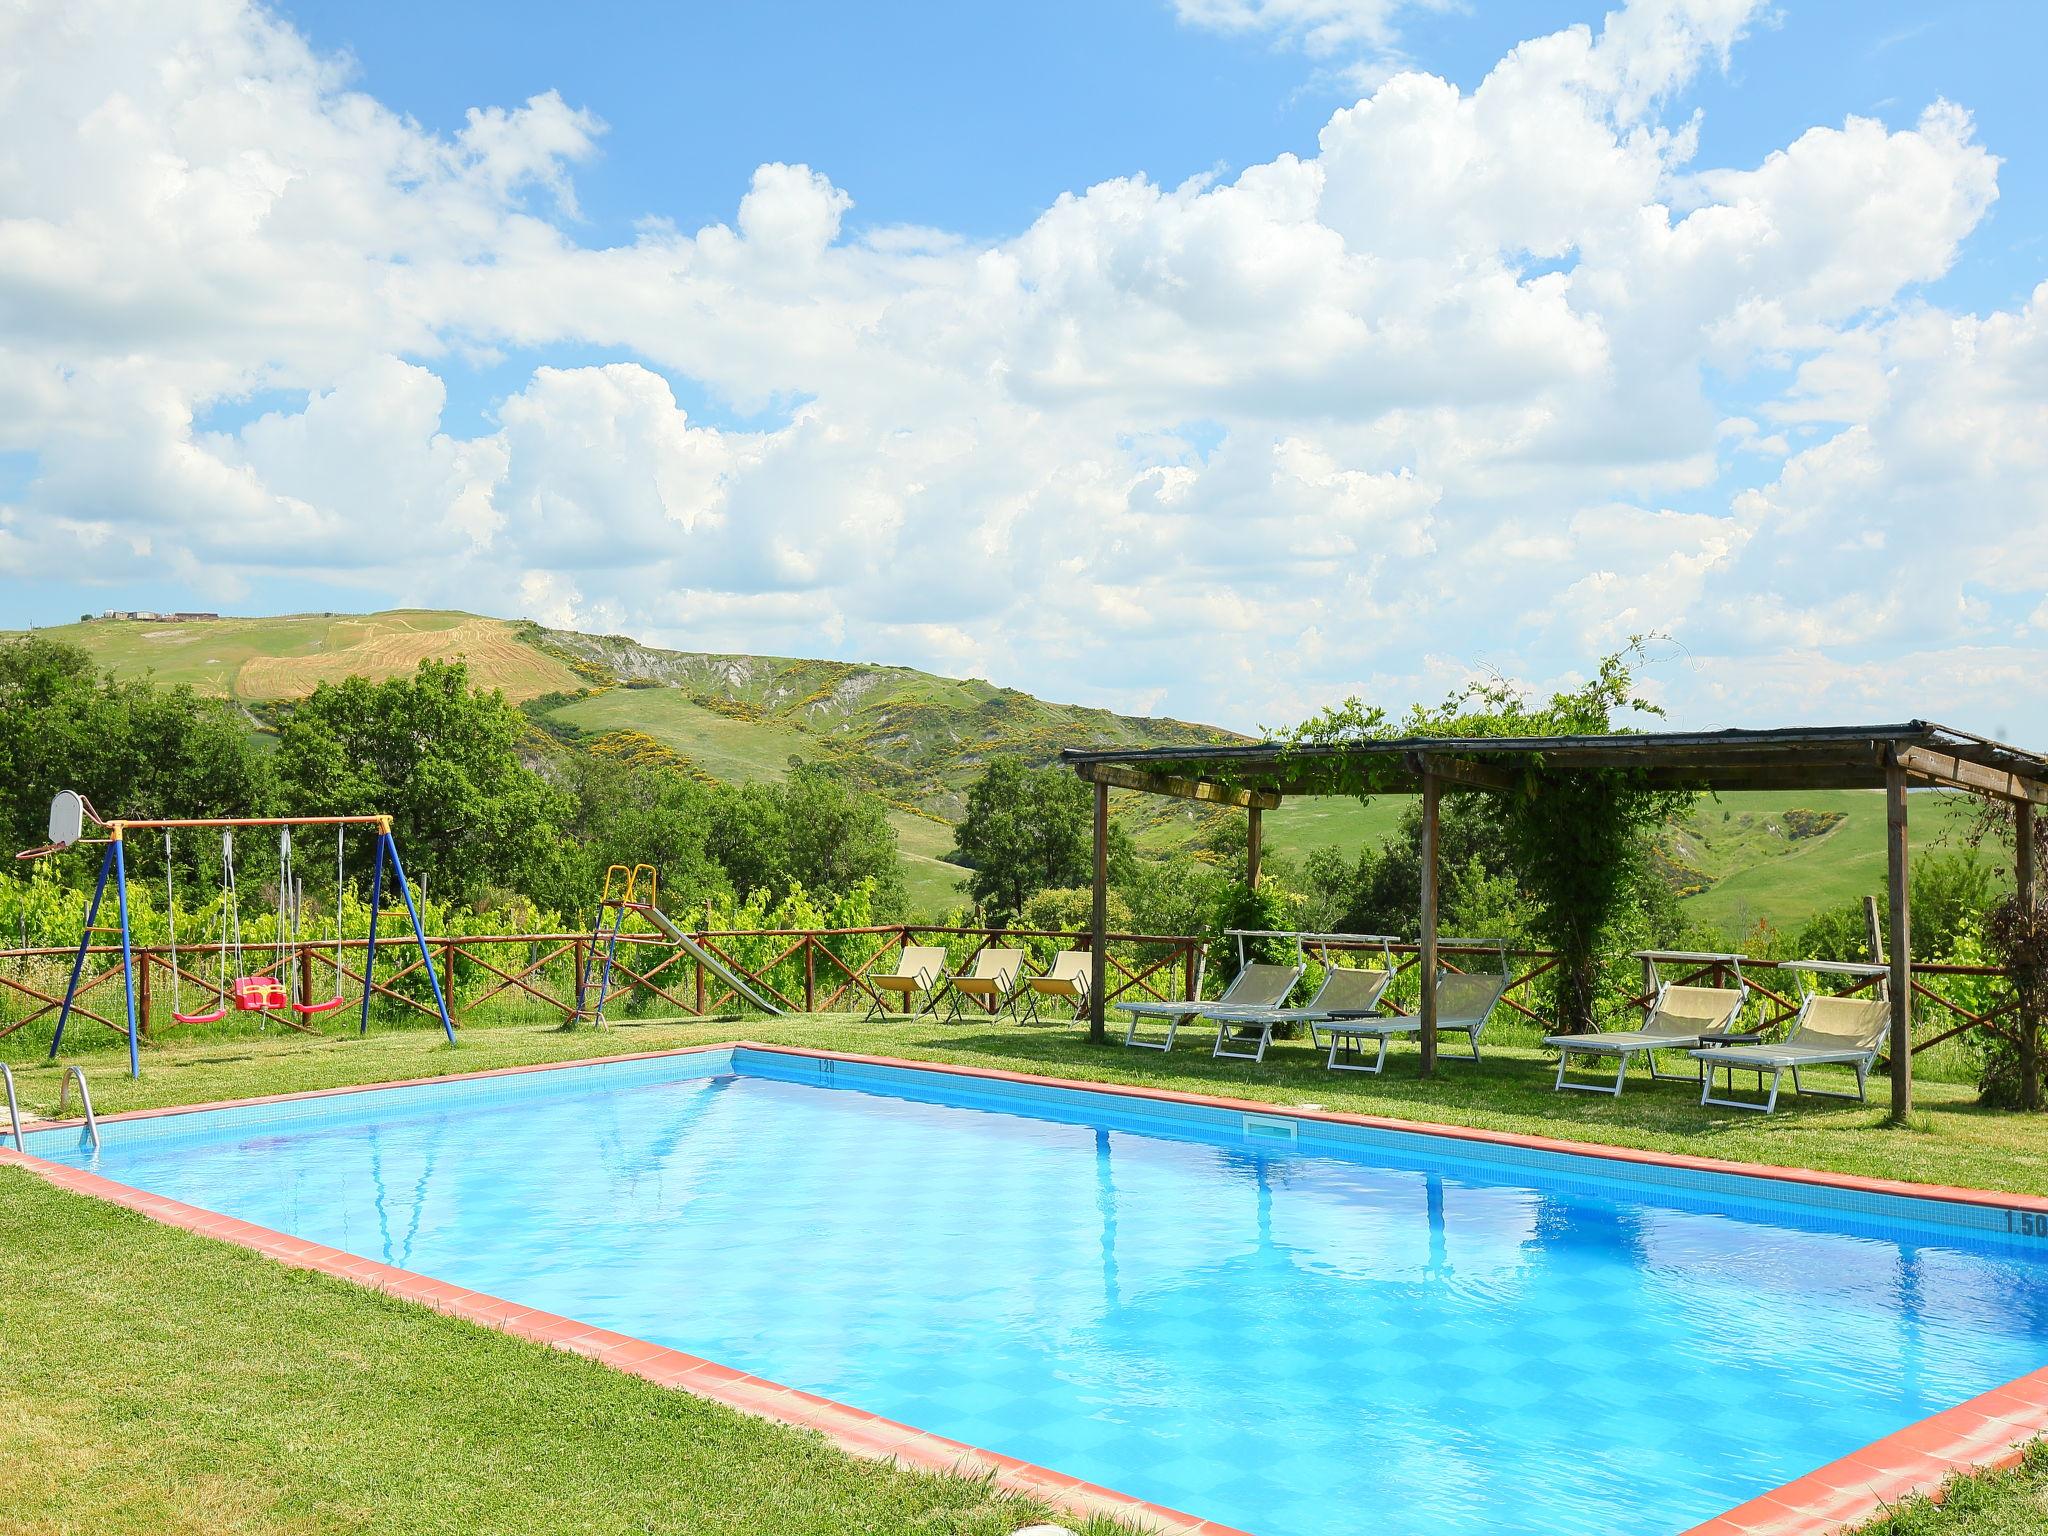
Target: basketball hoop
68	813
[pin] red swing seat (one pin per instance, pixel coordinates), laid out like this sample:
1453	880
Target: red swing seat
259	994
213	1017
325	1005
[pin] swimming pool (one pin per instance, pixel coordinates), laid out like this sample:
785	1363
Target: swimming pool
1296	1327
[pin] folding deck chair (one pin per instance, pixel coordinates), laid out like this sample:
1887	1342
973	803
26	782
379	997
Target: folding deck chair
1465	1000
919	970
992	982
1345	992
1066	979
1678	1016
1827	1031
1256	986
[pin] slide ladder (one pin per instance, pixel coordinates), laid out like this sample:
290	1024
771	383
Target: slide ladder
604	941
623	893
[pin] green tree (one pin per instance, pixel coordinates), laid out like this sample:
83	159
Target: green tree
1026	830
135	748
1381	890
1178	895
813	831
625	814
442	759
1577	843
1951	891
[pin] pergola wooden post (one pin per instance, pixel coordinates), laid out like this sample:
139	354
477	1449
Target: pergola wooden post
1098	919
1252	839
1900	938
2023	884
1425	959
2023	850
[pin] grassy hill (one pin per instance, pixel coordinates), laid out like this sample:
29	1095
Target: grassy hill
1780	856
256	660
913	738
917	740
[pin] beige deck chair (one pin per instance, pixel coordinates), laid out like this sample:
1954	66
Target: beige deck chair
1827	1031
1678	1016
919	970
991	981
1464	1002
1346	991
1255	987
1066	979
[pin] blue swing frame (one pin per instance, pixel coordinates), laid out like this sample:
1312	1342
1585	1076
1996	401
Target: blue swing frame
115	863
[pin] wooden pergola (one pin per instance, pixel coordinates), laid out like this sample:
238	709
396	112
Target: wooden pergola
1258	777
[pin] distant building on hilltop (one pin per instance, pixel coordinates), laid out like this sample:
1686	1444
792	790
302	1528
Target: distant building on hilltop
146	616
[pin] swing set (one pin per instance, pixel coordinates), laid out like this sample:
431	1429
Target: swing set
277	988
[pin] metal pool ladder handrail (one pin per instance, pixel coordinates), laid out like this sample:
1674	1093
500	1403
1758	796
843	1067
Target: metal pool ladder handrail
92	1123
13	1108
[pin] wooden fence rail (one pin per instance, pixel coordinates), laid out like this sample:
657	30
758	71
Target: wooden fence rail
806	971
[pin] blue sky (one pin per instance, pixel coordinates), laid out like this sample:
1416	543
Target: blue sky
726	474
974	117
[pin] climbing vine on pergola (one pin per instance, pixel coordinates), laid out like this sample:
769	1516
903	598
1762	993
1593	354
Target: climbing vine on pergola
1554	770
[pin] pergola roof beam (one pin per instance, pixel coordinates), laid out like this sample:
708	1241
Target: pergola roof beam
1962	773
1179	786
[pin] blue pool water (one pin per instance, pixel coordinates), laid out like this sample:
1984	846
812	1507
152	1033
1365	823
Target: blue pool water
1349	1331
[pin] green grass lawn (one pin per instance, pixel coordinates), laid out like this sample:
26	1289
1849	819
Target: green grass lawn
2011	1503
269	1400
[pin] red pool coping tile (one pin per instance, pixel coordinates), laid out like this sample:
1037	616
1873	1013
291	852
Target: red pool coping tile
1989	1431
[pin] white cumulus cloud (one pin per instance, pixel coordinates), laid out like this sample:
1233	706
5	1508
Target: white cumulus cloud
1493	377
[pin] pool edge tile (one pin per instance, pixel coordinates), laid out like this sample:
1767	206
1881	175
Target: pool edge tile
1984	1433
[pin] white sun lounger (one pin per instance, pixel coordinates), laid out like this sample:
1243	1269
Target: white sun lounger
1257	987
1677	1019
1464	1002
1345	990
1827	1031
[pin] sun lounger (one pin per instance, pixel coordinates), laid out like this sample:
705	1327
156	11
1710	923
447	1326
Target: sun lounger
1346	990
1066	979
1255	988
919	970
1827	1031
991	982
1464	1002
1678	1016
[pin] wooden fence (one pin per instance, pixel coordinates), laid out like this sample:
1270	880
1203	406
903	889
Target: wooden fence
804	971
808	971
